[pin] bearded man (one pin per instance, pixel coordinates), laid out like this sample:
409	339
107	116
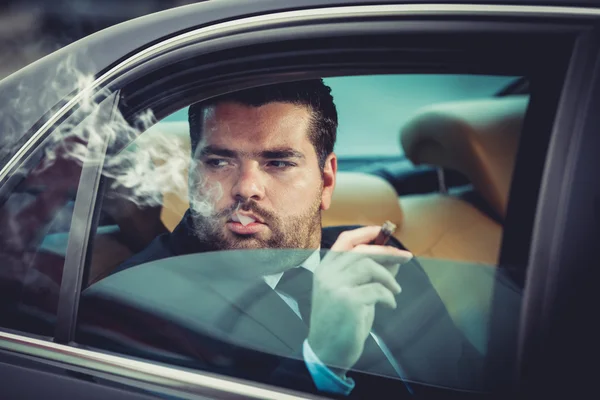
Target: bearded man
356	317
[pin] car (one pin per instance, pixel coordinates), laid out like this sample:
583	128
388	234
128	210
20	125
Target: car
471	127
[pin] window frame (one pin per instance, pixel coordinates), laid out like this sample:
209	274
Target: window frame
560	276
565	118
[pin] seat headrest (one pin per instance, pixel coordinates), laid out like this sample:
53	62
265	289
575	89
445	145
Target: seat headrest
362	199
477	138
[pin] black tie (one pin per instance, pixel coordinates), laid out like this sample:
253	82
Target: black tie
298	283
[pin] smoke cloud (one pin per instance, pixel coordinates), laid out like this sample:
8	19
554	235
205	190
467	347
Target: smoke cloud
140	160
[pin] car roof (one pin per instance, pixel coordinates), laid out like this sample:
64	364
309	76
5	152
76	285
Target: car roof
23	102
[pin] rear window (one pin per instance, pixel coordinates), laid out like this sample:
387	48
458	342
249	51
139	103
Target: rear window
372	109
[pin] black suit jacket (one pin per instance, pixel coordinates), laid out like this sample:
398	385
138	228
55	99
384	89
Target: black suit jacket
255	335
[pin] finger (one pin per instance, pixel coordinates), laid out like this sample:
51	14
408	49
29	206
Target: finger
390	253
333	262
347	240
337	261
388	256
369	271
373	293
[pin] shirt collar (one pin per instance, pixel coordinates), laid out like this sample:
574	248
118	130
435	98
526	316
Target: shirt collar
310	264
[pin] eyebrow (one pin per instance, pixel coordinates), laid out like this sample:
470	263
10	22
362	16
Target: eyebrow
217	151
283	152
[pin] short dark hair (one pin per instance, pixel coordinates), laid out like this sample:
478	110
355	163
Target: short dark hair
311	93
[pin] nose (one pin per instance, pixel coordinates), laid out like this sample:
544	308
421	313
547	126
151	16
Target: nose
249	184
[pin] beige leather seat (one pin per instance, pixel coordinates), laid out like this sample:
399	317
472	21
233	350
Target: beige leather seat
362	199
478	139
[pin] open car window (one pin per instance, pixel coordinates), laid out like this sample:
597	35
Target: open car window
154	289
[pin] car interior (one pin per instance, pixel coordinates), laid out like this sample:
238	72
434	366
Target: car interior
447	194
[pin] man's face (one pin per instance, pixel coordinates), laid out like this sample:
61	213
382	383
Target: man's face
271	189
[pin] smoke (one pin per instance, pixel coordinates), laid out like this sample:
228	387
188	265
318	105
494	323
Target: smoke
141	161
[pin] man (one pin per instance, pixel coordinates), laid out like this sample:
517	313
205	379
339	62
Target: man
263	170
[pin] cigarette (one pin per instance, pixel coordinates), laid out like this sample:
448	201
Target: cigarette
387	229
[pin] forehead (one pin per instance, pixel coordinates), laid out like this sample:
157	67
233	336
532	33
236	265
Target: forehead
273	123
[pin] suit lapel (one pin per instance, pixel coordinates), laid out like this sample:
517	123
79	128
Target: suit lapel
259	315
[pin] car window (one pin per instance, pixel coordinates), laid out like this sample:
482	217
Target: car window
35	219
166	284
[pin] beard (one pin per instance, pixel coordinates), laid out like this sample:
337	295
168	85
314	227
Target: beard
288	242
296	232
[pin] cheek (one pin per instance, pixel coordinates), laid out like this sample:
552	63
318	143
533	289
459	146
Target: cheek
207	185
295	194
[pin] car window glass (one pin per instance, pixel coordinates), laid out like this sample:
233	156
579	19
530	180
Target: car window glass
35	218
154	289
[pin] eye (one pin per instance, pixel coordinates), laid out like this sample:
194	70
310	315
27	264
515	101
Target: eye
280	164
216	162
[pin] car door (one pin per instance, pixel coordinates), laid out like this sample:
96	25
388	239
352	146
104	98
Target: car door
171	69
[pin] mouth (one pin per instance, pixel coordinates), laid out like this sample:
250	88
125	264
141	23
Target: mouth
245	223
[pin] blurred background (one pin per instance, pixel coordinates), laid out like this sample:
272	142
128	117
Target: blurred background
31	29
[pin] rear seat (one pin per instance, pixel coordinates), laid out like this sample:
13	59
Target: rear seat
478	139
457	241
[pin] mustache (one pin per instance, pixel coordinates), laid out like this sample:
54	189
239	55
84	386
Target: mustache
248	206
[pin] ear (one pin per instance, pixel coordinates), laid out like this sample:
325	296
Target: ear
329	175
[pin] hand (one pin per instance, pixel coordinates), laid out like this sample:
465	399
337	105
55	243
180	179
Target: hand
349	282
